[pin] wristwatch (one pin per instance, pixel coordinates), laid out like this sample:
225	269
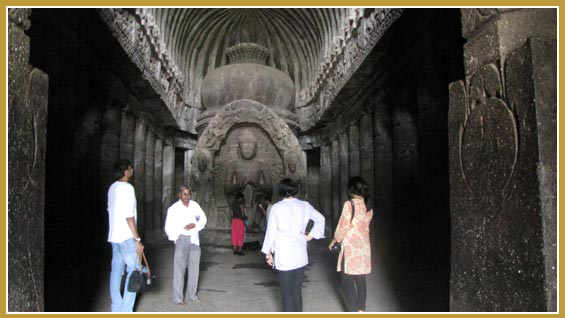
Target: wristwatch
138	239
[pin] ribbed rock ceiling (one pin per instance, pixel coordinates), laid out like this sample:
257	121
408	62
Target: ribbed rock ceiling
197	39
320	49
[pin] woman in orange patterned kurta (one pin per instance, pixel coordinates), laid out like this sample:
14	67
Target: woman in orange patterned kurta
355	256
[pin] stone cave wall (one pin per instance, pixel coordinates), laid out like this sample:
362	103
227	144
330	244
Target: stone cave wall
27	121
95	118
503	163
435	204
409	182
396	138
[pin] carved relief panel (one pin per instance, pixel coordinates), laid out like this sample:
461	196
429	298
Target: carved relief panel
496	198
248	148
488	139
489	142
249	162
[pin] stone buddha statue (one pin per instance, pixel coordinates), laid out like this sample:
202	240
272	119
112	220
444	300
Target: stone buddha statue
246	169
201	180
247	173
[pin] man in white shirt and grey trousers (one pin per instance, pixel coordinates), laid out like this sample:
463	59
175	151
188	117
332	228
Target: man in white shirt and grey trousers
184	220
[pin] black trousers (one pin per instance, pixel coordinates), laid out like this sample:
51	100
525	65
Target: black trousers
355	288
290	283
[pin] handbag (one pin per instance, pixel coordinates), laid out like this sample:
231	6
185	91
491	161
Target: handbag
140	279
337	245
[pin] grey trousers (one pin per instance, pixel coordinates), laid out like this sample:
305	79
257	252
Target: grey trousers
186	255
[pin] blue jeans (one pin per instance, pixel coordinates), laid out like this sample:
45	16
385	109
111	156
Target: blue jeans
123	254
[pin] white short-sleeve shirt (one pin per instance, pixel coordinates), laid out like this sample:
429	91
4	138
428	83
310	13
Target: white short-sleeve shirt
122	204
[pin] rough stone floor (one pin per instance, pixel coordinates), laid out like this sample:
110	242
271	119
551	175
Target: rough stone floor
231	283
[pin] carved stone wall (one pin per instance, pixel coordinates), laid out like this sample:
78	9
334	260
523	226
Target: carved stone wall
502	235
351	36
263	170
93	119
27	125
219	170
141	38
326	186
502	147
313	187
394	134
247	78
363	29
534	66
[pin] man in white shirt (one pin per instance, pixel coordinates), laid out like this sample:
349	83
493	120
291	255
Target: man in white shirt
184	220
122	234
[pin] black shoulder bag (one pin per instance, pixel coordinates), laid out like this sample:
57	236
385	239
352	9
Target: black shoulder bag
141	279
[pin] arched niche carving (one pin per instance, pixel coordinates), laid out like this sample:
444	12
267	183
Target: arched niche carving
278	155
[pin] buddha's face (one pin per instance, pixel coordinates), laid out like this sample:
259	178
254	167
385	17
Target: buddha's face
247	145
248	149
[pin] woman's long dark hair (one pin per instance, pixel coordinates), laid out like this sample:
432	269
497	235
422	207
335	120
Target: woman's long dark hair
359	186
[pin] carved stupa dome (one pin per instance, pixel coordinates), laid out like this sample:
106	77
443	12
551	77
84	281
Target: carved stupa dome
247	77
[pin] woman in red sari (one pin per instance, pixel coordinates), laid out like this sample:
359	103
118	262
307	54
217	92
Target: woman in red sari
237	223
